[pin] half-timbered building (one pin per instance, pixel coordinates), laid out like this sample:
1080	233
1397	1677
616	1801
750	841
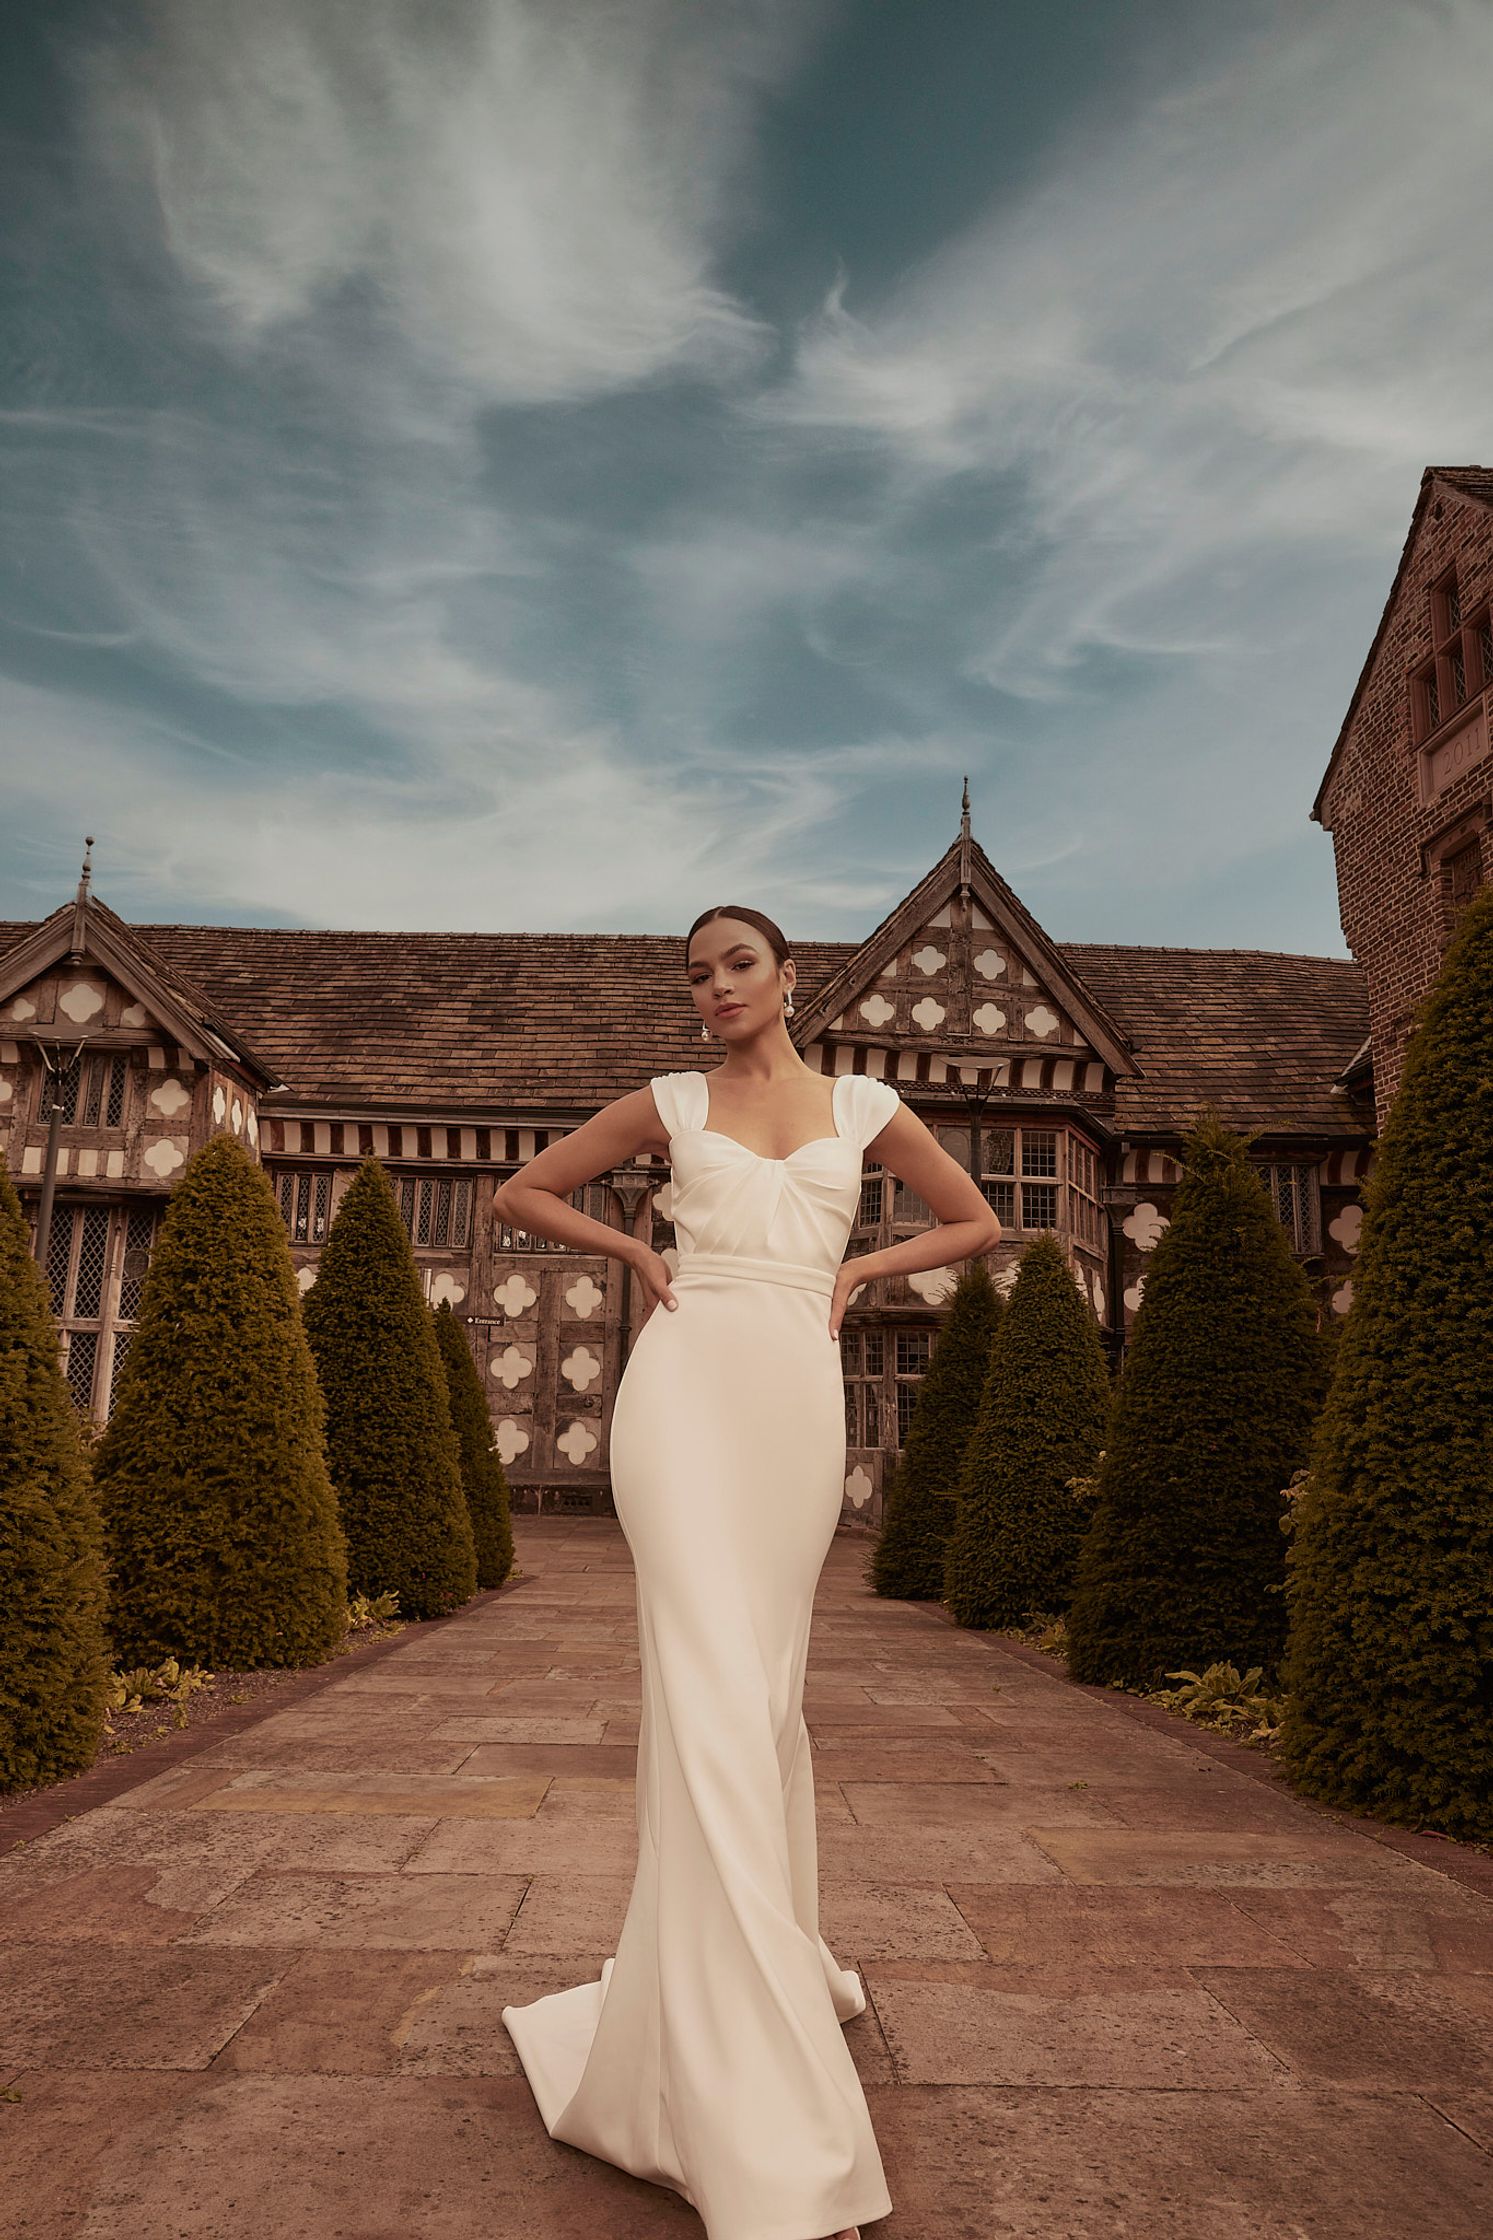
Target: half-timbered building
1064	1075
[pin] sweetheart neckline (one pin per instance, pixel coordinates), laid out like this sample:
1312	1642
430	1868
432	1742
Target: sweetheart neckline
765	1156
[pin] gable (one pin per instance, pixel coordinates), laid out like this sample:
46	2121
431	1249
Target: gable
83	973
80	999
962	971
1466	486
937	982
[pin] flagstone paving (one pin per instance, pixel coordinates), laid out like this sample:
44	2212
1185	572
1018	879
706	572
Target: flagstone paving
1121	1982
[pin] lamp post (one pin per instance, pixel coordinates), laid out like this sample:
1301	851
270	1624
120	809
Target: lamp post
54	1066
978	1084
55	1071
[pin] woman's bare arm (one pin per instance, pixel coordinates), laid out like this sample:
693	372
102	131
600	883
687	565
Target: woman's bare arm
535	1198
965	1222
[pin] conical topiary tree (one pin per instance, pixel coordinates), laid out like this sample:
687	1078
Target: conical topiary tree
390	1445
219	1516
483	1477
54	1663
908	1558
1042	1421
1183	1564
1389	1670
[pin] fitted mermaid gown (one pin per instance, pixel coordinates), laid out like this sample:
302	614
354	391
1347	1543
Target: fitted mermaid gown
708	2056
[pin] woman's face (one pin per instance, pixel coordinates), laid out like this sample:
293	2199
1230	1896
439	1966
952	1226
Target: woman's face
734	978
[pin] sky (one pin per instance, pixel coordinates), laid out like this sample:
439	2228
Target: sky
559	464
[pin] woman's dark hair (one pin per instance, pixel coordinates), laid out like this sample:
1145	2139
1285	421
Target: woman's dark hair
774	936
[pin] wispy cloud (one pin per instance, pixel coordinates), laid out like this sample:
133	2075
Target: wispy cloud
532	194
1236	322
580	837
391	222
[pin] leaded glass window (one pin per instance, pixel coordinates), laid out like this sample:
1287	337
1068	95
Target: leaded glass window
1001	1198
90	1091
591	1197
1293	1193
1039	1151
998	1150
863	1365
1086	1214
437	1209
97	1257
913	1349
64	1087
1039	1205
304	1196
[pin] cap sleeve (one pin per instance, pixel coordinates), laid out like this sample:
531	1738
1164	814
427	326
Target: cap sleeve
680	1099
870	1104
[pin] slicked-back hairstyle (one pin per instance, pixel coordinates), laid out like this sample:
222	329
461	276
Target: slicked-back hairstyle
773	934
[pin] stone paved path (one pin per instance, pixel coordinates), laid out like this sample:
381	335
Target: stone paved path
1120	1985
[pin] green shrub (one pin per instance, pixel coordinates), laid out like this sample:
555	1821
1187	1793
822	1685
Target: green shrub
393	1453
1184	1562
1332	1325
908	1557
1390	1663
1041	1423
483	1478
219	1515
54	1664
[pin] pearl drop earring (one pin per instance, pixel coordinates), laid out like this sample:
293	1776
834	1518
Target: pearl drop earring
704	1031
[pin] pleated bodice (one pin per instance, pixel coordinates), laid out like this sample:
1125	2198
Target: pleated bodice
729	1201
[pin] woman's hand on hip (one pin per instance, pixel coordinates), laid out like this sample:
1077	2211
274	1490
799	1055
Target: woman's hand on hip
849	1277
652	1271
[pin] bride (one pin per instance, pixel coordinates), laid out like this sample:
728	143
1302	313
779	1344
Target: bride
708	2056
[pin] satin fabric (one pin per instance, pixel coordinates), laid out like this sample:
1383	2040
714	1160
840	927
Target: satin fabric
708	2056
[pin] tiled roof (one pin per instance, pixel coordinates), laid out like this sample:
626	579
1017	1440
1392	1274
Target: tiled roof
529	1024
1260	1034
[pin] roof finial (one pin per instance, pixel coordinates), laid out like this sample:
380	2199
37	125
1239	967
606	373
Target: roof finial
80	902
964	813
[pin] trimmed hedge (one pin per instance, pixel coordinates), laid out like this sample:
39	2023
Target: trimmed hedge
483	1478
1389	1669
54	1664
390	1445
219	1516
1183	1565
1042	1421
907	1561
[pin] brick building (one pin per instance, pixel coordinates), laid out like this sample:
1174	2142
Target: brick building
1408	793
1063	1073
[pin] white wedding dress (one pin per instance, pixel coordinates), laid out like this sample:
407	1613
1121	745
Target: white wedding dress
709	2056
